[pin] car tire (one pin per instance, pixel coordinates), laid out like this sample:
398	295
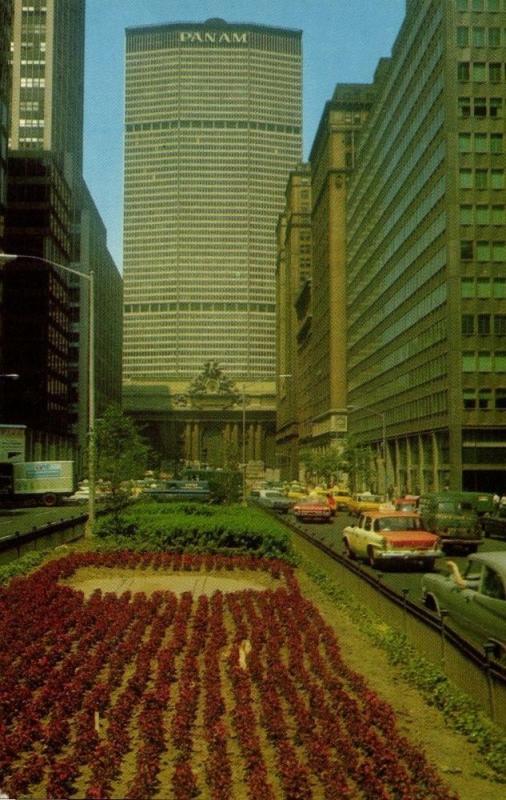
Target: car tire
429	564
349	552
431	603
49	499
371	558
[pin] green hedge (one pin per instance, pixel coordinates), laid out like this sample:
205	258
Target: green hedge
196	528
22	564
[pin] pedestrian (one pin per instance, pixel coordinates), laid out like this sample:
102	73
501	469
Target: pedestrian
496	500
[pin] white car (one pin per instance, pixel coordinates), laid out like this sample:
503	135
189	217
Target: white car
385	537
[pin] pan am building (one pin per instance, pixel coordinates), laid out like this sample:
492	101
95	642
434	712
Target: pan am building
213	128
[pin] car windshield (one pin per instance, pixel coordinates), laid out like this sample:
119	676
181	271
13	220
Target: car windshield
312	499
448	507
397	524
273	494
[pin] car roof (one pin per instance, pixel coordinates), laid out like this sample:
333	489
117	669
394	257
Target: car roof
494	559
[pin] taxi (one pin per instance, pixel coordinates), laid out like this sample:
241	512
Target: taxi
364	501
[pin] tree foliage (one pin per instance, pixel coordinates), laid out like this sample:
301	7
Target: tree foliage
121	455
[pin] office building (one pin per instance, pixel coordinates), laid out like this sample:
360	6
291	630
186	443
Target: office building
5	92
213	127
426	254
312	408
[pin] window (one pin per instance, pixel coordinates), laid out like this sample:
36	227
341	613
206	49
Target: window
494	37
465	179
467	287
500	399
483	287
497	215
499	251
468	361
480	106
481	178
493	5
466	249
483	251
464	104
484	324
484	361
469	398
482	215
496	107
479	37
477	5
496	140
496	179
467	324
462	36
500	361
499	286
461	5
500	324
466	215
463	71
479	71
464	142
495	73
480	143
484	399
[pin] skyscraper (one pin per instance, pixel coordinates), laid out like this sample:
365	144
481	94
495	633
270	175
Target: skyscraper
213	126
48	77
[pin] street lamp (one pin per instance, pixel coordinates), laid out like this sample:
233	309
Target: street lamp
5	258
382	414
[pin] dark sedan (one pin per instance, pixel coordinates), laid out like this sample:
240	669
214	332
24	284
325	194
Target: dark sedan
495	524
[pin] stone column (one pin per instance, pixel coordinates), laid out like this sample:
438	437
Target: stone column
188	441
258	442
251	442
196	442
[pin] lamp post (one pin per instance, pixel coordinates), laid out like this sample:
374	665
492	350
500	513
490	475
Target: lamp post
5	258
382	414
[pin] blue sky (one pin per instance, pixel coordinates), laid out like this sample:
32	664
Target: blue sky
342	42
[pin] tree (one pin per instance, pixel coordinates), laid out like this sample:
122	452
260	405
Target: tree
120	452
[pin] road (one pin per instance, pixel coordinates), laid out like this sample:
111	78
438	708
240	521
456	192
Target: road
22	520
395	577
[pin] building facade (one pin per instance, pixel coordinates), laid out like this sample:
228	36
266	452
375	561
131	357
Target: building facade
293	276
5	96
213	127
46	143
312	408
426	254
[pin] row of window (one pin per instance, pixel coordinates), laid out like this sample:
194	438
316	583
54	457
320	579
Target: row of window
483	287
483	215
481	143
211	123
480	71
484	399
152	307
480	107
480	36
483	361
481	178
482	250
481	5
484	324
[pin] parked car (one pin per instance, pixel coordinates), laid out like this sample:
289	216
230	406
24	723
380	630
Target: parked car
80	496
453	518
312	509
482	502
494	525
397	536
270	498
168	491
343	499
365	501
476	598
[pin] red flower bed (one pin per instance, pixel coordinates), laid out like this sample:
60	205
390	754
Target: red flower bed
238	692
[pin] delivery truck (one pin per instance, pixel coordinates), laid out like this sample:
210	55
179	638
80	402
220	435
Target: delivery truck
42	482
